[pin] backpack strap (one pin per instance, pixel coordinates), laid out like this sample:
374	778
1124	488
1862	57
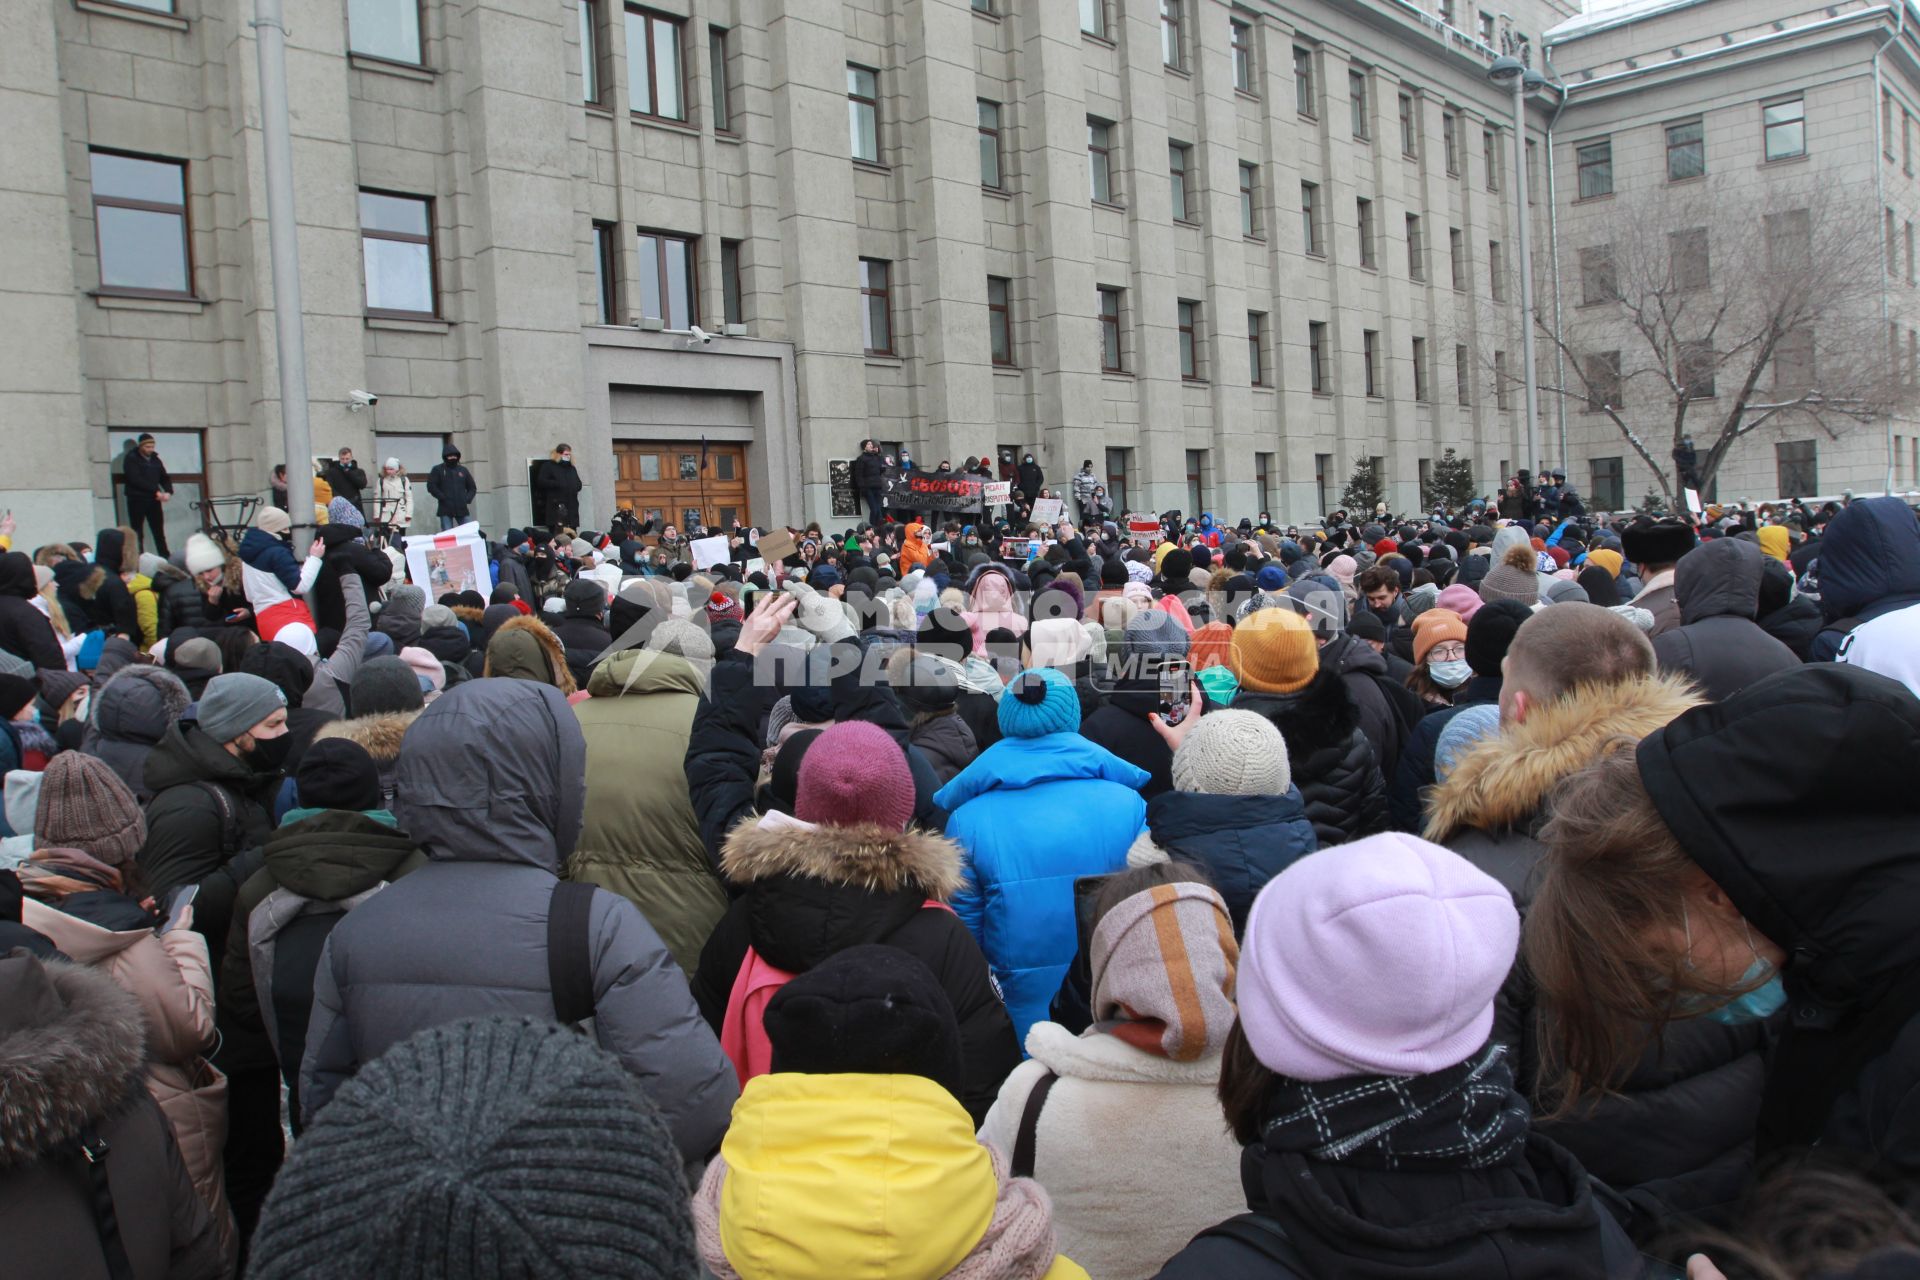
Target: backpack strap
1264	1236
93	1150
569	965
1023	1137
230	835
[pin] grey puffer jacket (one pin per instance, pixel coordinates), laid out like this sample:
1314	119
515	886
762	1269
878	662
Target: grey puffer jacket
130	715
1717	642
492	785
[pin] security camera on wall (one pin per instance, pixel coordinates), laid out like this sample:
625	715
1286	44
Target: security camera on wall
358	400
699	335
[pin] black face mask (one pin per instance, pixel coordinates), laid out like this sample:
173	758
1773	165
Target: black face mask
269	755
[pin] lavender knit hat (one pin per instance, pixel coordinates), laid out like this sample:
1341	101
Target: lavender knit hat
1381	957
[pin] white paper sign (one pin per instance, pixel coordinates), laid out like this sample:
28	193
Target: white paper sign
996	492
453	560
1046	511
708	552
1693	501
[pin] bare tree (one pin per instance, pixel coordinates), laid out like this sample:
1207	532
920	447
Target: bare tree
1701	320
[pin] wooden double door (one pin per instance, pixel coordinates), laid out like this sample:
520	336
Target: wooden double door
677	480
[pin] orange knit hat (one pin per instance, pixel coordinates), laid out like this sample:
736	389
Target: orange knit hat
1211	646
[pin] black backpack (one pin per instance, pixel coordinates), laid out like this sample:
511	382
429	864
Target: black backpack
569	959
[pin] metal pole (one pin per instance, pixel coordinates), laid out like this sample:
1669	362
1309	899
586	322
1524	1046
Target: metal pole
289	323
1526	271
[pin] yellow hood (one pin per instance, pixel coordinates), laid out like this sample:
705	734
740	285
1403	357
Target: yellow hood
852	1177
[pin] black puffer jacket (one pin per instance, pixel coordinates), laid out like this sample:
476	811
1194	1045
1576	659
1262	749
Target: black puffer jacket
811	894
1121	727
1792	620
131	713
346	555
1382	717
584	637
24	630
1333	764
1717	587
182	605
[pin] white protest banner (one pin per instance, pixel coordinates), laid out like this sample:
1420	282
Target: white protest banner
996	492
1046	511
1143	527
452	560
708	552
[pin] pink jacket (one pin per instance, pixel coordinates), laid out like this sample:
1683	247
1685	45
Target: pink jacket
171	977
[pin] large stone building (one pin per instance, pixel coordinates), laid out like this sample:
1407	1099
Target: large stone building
1727	164
1224	251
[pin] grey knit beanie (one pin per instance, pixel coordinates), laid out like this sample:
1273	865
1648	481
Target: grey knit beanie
384	685
489	1147
1233	753
1506	582
1153	633
235	702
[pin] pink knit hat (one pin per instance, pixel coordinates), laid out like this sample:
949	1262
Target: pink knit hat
425	664
1380	957
1462	599
854	774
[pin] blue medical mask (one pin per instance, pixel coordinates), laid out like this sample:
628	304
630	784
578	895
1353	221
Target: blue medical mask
1449	675
1761	1002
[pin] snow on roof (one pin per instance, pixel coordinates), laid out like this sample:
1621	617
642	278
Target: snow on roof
1600	16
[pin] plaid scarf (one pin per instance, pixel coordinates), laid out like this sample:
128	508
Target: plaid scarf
1466	1116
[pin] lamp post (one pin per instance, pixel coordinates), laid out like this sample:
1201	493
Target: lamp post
1509	71
283	246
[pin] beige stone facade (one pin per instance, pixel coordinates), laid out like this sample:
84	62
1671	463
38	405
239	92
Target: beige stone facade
528	180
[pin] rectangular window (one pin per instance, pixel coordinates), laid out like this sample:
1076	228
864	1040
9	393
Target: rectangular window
1189	317
140	224
1357	100
1179	159
1783	126
1257	348
1798	465
1249	199
1887	238
388	29
1323	480
1490	144
590	79
1303	95
1420	369
992	176
1886	123
1112	355
1500	388
863	113
669	289
1603	381
1486	27
717	75
731	302
1416	249
1100	160
1909	241
1793	362
1450	140
1241	42
1370	360
1263	481
1196	479
1317	358
1694	369
1457	257
1409	130
1000	319
983	6
606	275
1310	218
1448	12
1363	219
1496	272
1462	374
1594	161
396	250
1688	260
1906	141
1093	18
1170	33
1119	463
1686	151
655	85
1608	487
1533	174
876	313
1599	279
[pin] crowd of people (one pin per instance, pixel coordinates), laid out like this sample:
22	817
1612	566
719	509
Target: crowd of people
1500	893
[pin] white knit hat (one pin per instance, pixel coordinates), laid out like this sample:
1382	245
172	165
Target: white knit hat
203	553
1233	753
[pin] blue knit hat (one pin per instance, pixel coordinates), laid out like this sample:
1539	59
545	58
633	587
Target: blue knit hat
1271	578
1039	701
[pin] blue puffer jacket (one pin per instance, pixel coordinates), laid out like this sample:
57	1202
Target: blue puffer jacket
1240	841
1033	815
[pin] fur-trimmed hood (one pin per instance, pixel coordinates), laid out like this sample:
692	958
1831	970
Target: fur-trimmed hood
73	1050
873	858
511	651
468	614
379	734
1503	781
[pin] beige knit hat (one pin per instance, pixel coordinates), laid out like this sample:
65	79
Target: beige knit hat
1233	753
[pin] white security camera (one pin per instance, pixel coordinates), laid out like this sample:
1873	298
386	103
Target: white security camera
361	400
701	336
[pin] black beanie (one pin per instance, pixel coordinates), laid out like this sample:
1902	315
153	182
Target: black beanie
1600	586
1776	587
1490	634
1113	572
15	693
1177	567
783	780
1366	625
337	773
944	632
867	1010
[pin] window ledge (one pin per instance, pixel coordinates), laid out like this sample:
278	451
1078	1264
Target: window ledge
171	21
871	166
1117	375
595	109
1108	204
1182	72
1594	199
1680	182
1008	370
1799	159
1323	395
1253	239
1308	115
998	193
1186	381
386	66
1267	387
1187	222
885	361
1248	94
727	135
1320	254
398	325
662	122
1104	42
142	302
987	14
